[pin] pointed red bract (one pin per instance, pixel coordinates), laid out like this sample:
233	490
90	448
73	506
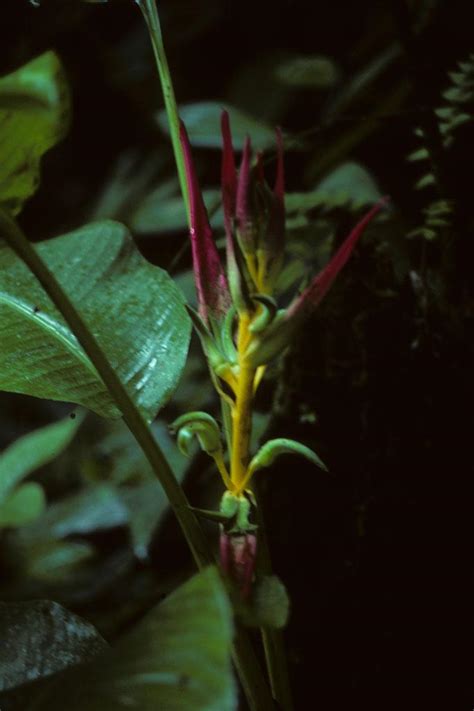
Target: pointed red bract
281	332
228	174
321	284
211	283
242	203
279	189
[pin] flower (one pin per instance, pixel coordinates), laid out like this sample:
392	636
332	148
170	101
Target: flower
254	220
242	329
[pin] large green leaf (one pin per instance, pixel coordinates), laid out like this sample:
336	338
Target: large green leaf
202	121
34	115
133	308
176	659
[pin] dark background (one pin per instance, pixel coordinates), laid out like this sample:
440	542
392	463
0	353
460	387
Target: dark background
378	556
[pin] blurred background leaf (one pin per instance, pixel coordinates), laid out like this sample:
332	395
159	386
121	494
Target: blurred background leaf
156	665
34	116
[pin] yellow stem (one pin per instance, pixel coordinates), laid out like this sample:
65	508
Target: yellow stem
242	409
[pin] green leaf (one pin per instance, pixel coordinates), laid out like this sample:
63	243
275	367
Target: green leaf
202	122
40	638
25	504
163	213
33	451
176	659
308	72
34	116
53	561
349	184
94	508
118	459
115	457
132	307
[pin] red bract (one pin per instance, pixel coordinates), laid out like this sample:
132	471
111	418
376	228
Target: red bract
253	213
315	292
281	332
211	282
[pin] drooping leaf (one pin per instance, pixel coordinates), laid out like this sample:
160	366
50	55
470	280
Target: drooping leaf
177	658
40	638
33	451
34	116
133	308
202	121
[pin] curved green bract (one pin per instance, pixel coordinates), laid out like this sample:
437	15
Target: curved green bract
133	309
176	659
275	447
34	116
201	425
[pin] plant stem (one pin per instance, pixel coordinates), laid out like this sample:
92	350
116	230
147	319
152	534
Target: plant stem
253	683
150	13
273	643
258	694
131	414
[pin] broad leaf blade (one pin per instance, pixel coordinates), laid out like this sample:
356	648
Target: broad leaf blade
177	658
133	308
34	116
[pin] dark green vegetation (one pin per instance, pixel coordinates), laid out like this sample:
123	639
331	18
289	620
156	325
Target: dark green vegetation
372	100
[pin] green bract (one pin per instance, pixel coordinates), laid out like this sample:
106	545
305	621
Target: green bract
275	447
202	426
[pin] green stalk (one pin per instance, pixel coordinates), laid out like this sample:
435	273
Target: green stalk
150	13
273	643
258	694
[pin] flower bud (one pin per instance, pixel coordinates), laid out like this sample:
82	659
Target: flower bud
238	553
